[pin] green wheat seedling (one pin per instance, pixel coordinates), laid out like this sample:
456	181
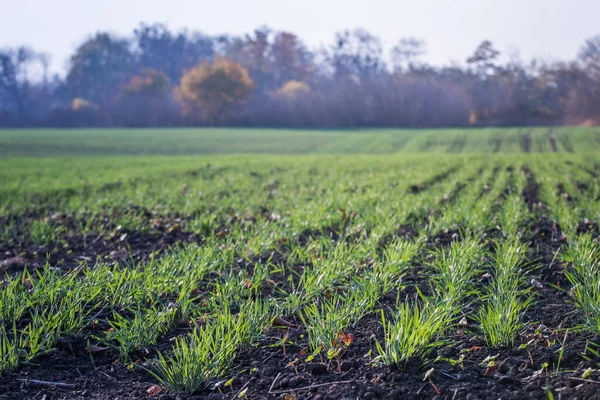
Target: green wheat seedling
36	339
584	275
396	262
507	297
324	323
412	331
64	316
511	216
9	351
253	319
204	354
455	269
13	300
139	333
42	232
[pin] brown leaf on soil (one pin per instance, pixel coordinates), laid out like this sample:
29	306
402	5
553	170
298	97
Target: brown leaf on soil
278	321
96	349
154	390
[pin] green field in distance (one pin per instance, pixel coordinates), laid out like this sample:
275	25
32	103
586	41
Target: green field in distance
170	141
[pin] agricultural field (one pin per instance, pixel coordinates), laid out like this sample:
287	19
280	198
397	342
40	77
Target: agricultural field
104	142
226	264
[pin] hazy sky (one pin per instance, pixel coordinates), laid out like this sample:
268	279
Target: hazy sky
551	29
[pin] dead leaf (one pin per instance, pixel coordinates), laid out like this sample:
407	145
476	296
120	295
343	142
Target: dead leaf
278	321
154	390
96	349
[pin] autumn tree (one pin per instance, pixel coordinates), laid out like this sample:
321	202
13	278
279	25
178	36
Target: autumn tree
292	89
212	87
145	99
149	83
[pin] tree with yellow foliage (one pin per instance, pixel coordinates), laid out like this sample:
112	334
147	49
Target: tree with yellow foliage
212	87
149	83
293	89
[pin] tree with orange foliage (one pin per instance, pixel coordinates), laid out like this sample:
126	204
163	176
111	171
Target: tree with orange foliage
212	87
145	99
150	83
292	89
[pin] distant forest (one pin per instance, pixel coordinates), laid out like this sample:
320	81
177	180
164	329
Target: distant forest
157	77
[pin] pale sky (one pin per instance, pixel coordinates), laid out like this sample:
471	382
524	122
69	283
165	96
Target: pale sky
550	29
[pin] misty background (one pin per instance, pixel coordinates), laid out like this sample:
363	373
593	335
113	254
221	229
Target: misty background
273	63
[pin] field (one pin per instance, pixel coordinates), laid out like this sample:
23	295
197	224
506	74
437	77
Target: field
105	142
226	263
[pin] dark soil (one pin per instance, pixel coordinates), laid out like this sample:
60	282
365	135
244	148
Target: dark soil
532	189
113	245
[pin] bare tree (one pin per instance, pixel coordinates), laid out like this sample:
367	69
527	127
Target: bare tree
356	54
589	54
405	53
14	81
483	58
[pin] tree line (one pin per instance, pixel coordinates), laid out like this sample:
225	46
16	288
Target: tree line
157	77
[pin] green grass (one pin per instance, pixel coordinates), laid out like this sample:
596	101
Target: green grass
178	141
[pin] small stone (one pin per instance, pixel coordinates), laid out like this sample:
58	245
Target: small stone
316	368
284	382
369	395
347	365
530	388
536	284
12	263
390	296
296	381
